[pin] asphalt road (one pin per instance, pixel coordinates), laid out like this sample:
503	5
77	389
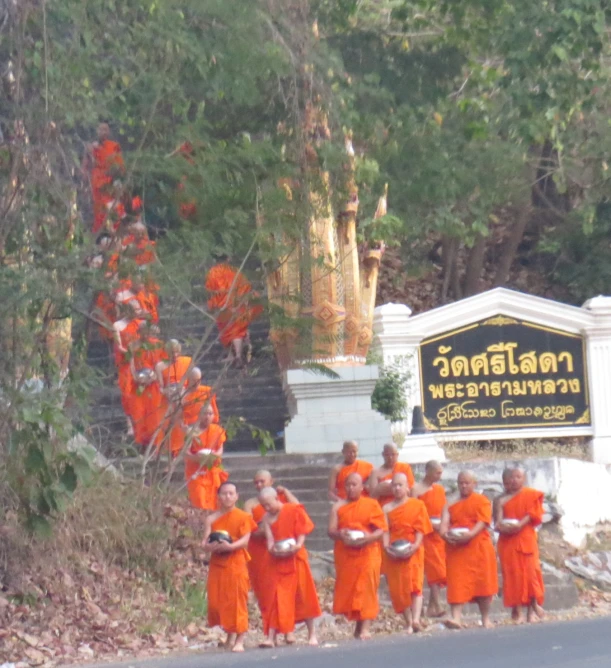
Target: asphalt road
575	644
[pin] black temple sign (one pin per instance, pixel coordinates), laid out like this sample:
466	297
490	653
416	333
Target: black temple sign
503	373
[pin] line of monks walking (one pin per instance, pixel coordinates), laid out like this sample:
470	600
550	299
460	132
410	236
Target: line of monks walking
382	523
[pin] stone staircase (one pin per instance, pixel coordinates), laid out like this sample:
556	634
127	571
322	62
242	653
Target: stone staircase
255	395
306	476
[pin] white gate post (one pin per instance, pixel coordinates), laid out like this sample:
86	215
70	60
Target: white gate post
598	337
391	325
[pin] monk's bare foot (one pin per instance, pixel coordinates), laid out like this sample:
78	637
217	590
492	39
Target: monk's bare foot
290	639
487	624
417	627
238	647
230	641
435	613
519	620
267	643
365	635
515	614
532	617
539	611
313	641
451	624
409	630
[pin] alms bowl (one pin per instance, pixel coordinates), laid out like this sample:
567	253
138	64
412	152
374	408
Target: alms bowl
510	522
401	545
355	534
285	545
435	521
145	376
219	537
204	451
458	531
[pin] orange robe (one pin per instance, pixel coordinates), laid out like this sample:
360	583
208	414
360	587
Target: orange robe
405	577
107	165
149	302
434	544
519	553
125	379
357	569
146	411
228	576
258	565
174	373
292	593
231	295
192	404
203	483
143	252
105	311
400	467
364	469
471	568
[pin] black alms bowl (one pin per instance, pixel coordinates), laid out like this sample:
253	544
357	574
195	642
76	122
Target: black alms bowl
219	537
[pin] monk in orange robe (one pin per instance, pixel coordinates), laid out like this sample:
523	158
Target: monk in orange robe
471	561
203	471
196	396
519	550
231	298
433	495
292	593
126	330
228	571
139	248
340	473
172	379
146	411
380	482
105	160
407	520
258	565
358	558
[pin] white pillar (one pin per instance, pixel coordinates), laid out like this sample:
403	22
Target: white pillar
326	411
598	337
396	341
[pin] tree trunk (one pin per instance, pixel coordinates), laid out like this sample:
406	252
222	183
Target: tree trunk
475	266
449	246
511	246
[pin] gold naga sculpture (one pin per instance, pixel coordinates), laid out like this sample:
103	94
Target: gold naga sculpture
325	282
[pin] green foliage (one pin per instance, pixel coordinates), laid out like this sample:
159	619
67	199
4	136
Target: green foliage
390	394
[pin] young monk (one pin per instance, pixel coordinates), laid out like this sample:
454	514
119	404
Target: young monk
228	573
471	561
357	560
258	565
292	594
195	397
203	471
231	297
380	482
518	549
146	412
433	495
407	519
104	160
172	379
340	473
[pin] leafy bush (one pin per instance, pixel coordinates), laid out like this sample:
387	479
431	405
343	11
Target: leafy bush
390	393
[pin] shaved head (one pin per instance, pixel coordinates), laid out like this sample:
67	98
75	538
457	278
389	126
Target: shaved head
433	466
400	486
174	346
466	483
354	486
350	450
390	454
263	479
267	493
195	375
390	447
